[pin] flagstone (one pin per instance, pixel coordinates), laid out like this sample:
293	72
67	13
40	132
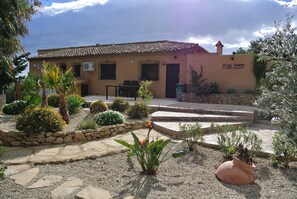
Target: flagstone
46	181
14	169
66	188
25	177
91	192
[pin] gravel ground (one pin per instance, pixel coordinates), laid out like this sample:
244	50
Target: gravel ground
191	176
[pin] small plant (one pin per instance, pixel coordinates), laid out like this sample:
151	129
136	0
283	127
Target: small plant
36	120
231	91
149	153
119	104
250	92
1	168
192	134
98	106
243	154
15	107
53	100
88	124
109	118
75	103
284	150
229	137
144	92
31	90
138	110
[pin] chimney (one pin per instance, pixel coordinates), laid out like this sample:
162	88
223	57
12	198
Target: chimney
219	46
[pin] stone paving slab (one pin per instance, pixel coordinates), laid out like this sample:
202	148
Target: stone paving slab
14	169
91	192
66	188
46	181
25	177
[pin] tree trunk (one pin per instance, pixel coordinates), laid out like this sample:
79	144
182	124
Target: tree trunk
63	108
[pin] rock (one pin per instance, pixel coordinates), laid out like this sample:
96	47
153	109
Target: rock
60	134
40	136
24	177
79	136
49	134
91	192
68	139
14	169
67	187
59	140
46	181
16	143
50	139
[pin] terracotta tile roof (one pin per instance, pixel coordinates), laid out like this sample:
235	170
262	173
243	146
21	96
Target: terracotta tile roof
124	48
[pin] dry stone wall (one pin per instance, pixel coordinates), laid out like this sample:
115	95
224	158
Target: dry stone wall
11	138
235	99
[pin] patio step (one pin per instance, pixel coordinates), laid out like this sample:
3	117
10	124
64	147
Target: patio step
172	129
178	116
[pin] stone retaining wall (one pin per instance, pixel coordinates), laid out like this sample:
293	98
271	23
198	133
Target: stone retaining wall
235	99
23	139
2	101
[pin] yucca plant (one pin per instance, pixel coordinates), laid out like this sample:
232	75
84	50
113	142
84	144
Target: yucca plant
54	78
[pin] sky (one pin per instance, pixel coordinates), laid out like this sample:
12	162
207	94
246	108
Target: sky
68	23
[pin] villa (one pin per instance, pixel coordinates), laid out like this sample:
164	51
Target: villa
166	63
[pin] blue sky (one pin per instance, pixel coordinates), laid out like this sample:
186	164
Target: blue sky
65	23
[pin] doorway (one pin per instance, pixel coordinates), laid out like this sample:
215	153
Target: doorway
172	78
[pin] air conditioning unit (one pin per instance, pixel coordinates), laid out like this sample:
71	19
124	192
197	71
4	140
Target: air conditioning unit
88	66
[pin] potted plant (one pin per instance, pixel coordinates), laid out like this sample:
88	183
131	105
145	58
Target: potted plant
239	170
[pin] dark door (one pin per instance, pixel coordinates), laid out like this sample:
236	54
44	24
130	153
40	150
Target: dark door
84	90
76	70
172	78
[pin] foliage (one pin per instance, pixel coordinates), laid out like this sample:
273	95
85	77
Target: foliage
109	118
36	120
53	100
75	103
230	137
54	78
259	69
14	17
139	110
243	154
192	135
144	91
284	150
98	106
15	107
1	168
207	89
88	124
279	87
31	90
231	91
149	153
119	104
251	92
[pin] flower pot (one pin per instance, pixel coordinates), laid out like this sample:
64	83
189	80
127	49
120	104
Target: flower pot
236	172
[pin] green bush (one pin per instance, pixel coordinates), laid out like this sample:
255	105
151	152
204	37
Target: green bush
15	107
250	92
75	103
230	137
192	134
89	124
38	120
1	168
231	91
109	118
98	106
53	100
284	150
119	104
144	91
138	110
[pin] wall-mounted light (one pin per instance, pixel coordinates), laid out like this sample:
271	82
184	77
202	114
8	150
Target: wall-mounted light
36	66
232	57
163	63
175	57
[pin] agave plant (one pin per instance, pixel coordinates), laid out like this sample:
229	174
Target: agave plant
54	78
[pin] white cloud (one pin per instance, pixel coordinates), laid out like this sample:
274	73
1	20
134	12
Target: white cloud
202	40
75	6
241	42
290	4
264	31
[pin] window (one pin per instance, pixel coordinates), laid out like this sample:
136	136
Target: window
76	70
108	71
150	71
63	67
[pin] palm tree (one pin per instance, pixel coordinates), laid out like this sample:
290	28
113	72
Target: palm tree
54	78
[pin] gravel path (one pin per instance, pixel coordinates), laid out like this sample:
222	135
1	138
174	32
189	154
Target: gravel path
191	176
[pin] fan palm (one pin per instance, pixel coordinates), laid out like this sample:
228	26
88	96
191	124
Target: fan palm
64	83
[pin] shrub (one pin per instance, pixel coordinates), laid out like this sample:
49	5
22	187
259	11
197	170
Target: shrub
144	92
98	106
250	92
1	168
207	89
230	137
192	134
284	150
75	103
138	110
119	104
53	100
89	124
109	118
38	120
15	107
231	91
